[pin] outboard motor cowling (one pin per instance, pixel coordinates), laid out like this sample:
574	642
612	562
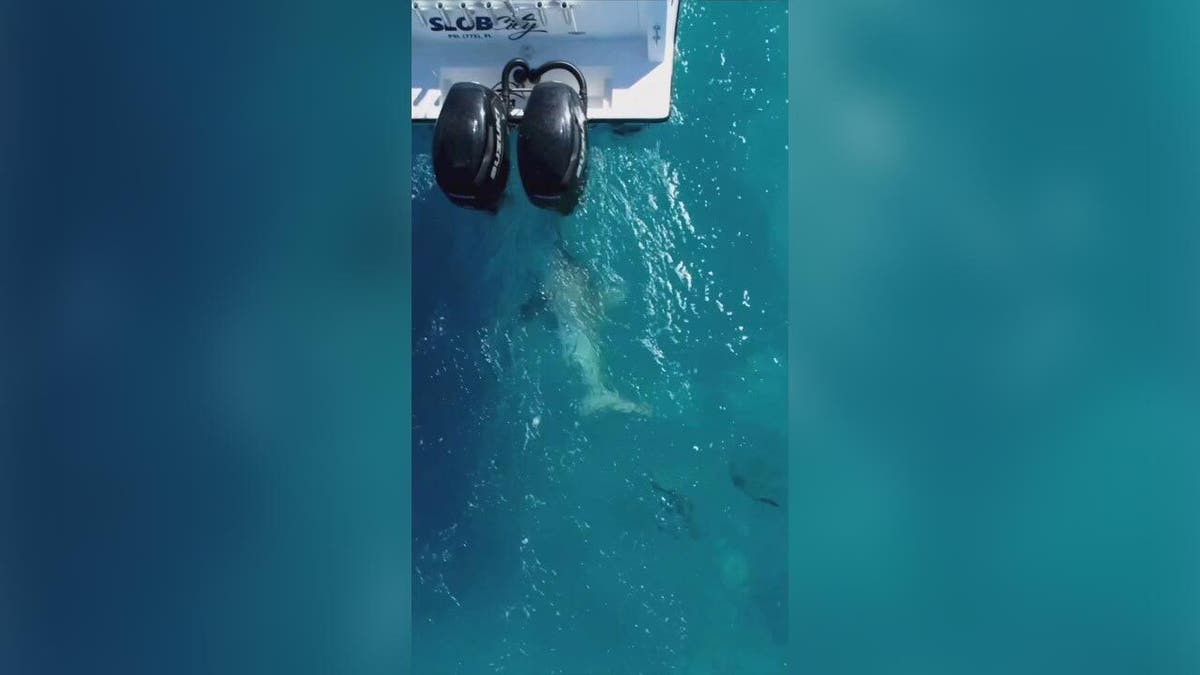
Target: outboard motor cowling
470	147
552	147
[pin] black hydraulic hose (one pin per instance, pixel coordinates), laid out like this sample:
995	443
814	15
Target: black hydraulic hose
506	75
520	68
563	65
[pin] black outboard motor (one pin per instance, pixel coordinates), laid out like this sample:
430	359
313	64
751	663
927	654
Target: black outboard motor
552	138
470	147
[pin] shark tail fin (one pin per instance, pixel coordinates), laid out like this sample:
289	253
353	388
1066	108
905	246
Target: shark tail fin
605	400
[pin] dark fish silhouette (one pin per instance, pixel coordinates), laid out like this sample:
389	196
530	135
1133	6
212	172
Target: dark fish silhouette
534	306
755	488
679	505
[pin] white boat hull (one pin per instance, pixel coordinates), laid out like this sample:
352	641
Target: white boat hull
625	49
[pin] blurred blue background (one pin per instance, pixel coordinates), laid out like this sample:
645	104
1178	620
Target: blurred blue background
995	434
205	278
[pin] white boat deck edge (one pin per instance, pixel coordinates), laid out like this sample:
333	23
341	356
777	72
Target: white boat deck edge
628	71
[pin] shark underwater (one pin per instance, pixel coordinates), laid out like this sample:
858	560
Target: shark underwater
526	272
578	307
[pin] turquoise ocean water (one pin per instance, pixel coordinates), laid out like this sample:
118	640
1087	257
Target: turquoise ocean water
551	539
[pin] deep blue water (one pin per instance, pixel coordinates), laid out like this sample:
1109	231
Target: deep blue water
551	540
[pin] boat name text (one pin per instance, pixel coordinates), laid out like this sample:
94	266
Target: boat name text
482	26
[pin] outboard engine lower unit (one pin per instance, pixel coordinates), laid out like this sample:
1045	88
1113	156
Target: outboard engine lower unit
552	147
470	147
